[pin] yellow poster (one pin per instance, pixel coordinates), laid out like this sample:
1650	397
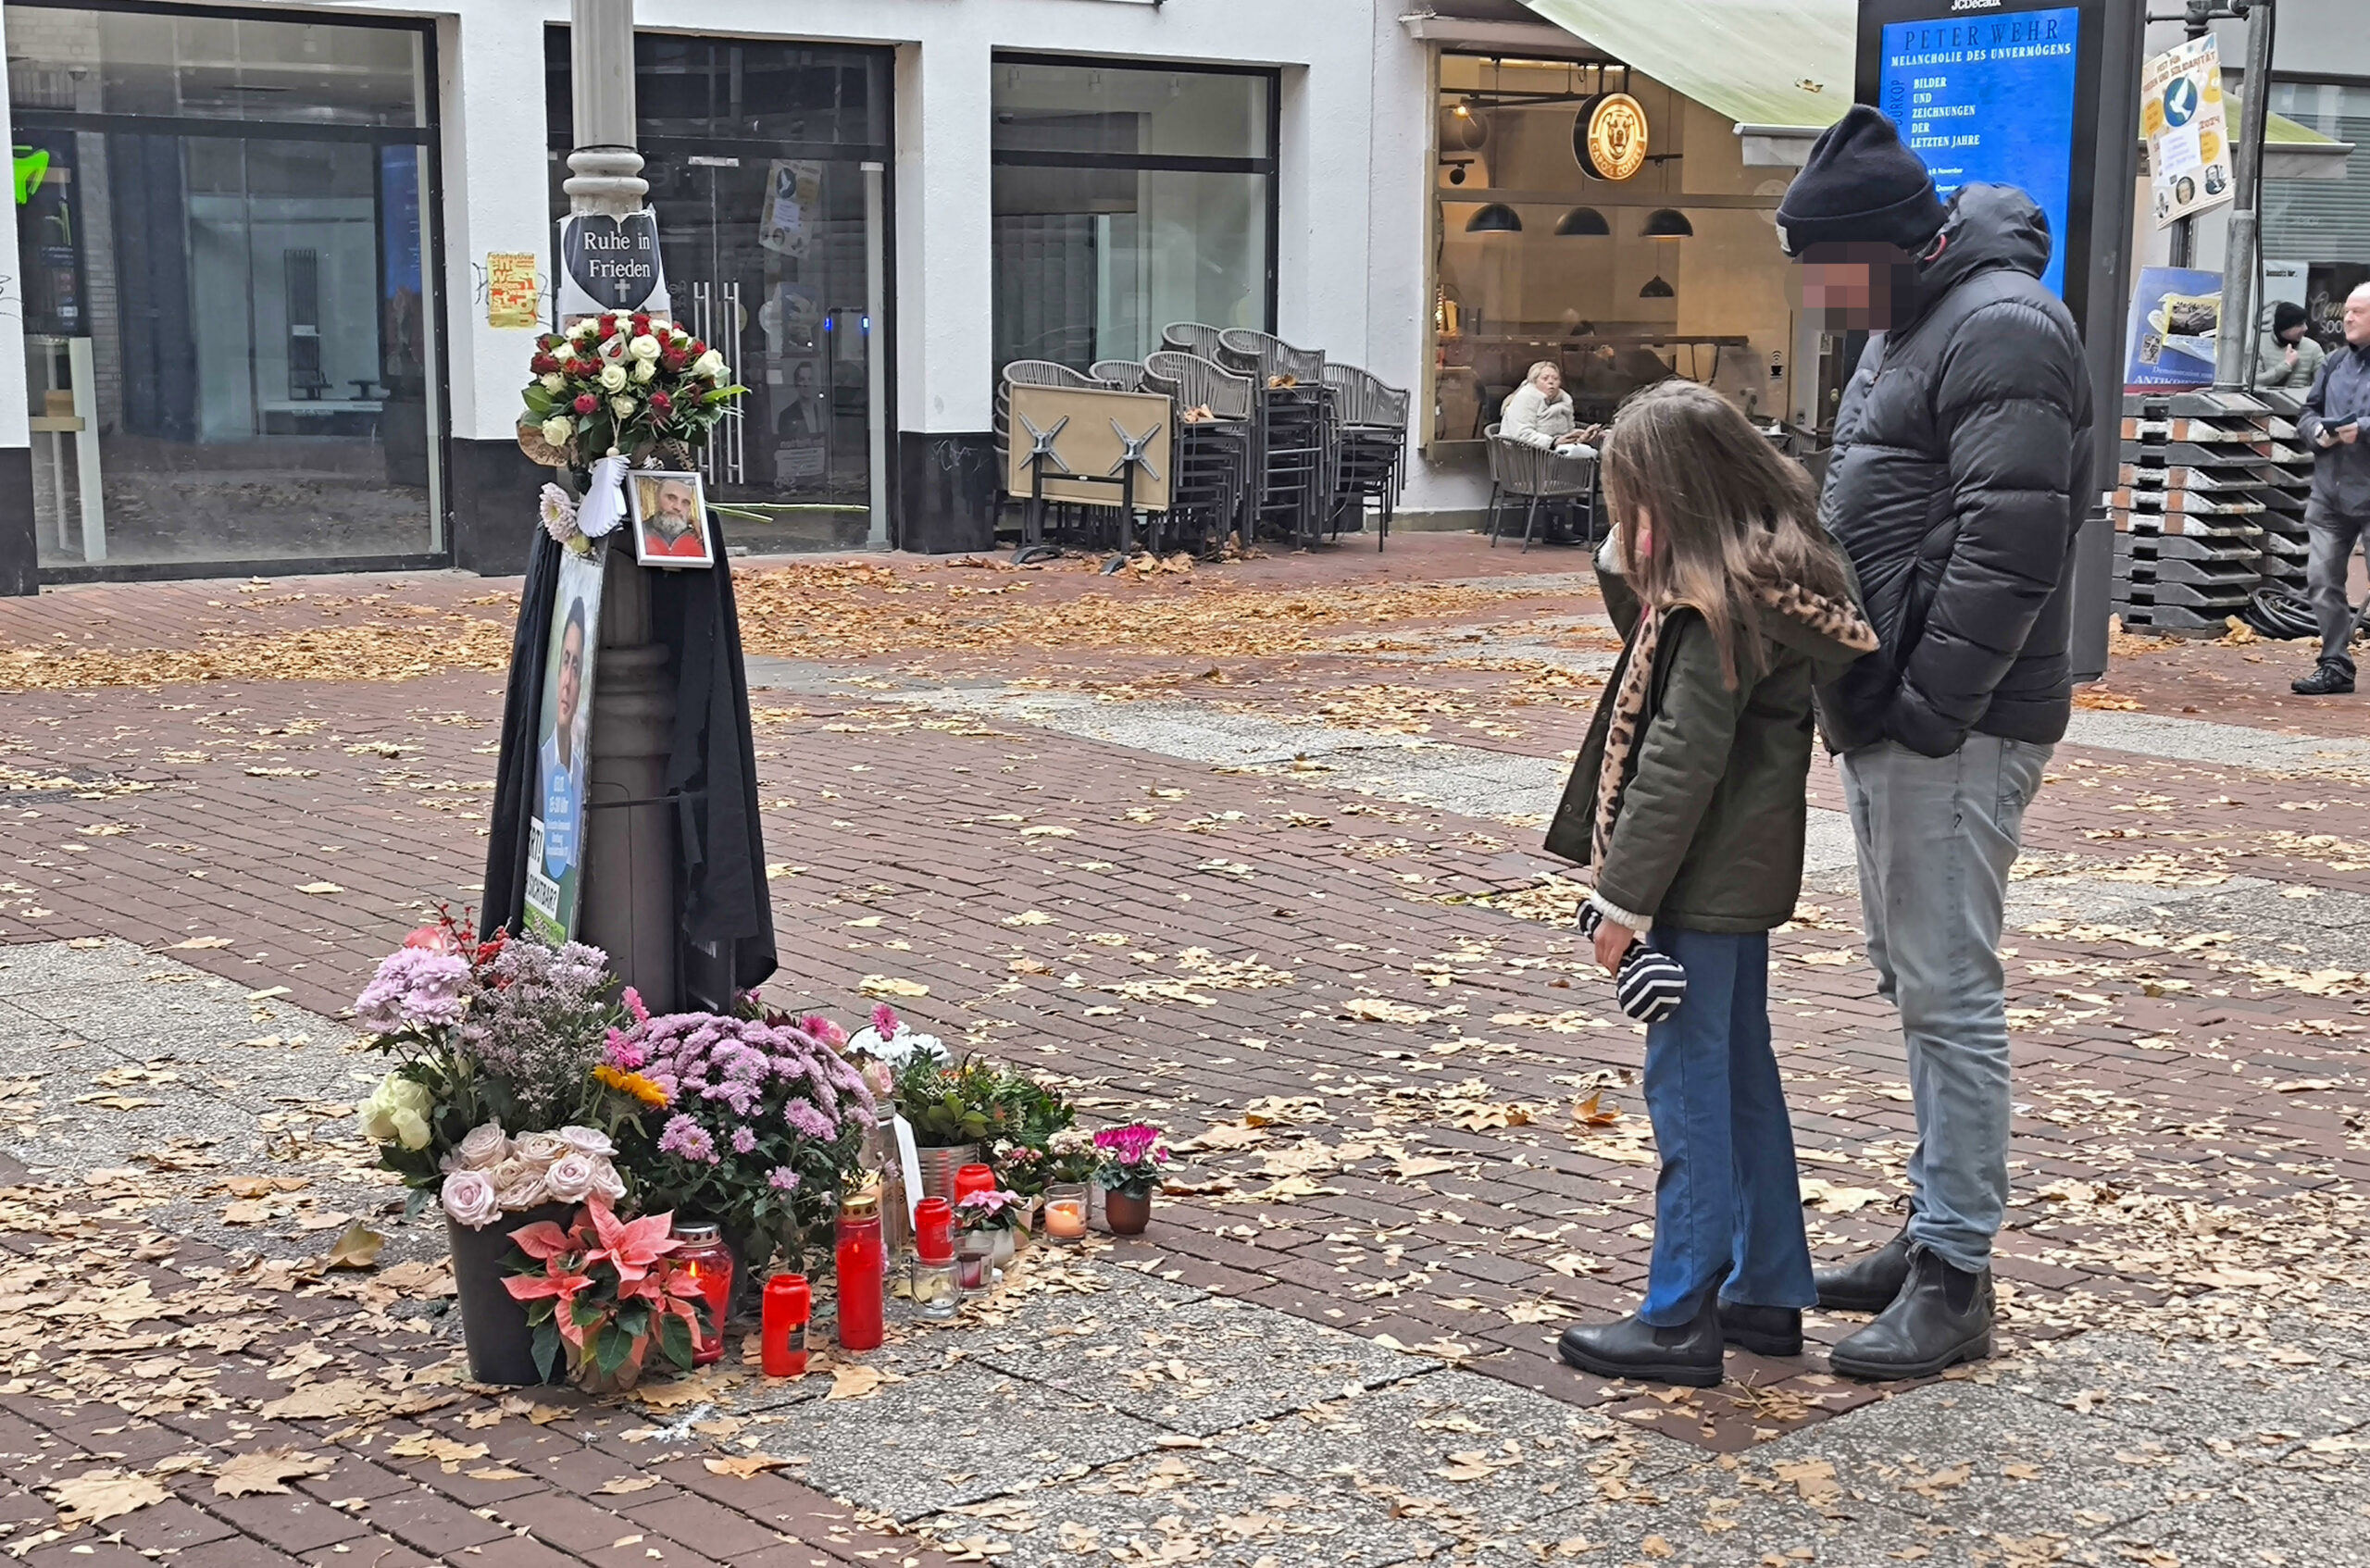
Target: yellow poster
513	294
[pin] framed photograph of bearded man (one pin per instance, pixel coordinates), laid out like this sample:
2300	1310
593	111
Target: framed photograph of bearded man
563	755
669	519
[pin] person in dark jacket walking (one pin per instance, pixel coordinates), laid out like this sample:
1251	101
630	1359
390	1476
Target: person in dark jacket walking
1687	800
2331	423
1962	450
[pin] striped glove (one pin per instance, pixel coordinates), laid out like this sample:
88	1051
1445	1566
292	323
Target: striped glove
1649	984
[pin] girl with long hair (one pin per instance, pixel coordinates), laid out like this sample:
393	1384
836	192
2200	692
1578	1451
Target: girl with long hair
1689	803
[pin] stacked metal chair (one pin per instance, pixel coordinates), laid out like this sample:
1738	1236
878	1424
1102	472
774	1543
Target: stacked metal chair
1119	375
1210	494
1194	338
1295	452
1371	451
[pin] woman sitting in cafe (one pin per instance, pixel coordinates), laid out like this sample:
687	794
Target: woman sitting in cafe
1539	413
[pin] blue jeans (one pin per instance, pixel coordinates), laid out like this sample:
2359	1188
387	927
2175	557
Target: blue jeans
1728	1203
1936	837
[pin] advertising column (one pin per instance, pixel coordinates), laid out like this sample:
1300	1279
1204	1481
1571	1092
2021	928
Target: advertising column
19	571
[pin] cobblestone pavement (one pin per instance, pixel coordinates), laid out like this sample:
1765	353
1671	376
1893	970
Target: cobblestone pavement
1253	848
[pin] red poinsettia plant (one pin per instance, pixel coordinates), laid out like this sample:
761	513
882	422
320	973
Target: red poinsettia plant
603	1290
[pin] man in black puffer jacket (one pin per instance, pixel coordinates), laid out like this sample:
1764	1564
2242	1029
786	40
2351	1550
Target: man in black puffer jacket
1962	455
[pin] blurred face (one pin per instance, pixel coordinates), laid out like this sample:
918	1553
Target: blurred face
1849	287
1550	381
2357	317
674	504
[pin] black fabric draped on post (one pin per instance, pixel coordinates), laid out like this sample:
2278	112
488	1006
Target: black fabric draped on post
725	935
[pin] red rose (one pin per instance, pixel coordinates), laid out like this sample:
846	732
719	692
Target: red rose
660	401
640	323
698	348
608	328
587	403
672	359
543	364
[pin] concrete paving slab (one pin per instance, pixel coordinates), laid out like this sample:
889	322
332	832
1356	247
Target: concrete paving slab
960	1435
1202	1366
1193	1505
2259	1399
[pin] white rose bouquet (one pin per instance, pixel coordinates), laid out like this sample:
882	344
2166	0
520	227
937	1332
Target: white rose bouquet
622	382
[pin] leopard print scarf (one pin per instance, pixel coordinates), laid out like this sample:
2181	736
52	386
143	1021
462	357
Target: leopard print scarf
1621	730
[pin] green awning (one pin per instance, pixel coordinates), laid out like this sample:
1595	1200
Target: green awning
1764	63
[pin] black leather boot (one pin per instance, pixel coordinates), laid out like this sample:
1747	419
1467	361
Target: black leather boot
1689	1354
1765	1331
1942	1317
2327	680
1865	1285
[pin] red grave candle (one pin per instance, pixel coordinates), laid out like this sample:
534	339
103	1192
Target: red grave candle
864	1273
934	1231
782	1332
700	1250
973	1178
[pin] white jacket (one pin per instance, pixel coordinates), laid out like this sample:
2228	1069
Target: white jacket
1529	418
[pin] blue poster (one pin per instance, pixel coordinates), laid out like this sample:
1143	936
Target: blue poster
1990	101
2175	321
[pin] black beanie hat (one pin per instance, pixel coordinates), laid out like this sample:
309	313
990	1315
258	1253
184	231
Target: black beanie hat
2286	315
1860	184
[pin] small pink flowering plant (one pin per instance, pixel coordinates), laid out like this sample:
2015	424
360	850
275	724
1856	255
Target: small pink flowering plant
603	1290
1133	1157
992	1209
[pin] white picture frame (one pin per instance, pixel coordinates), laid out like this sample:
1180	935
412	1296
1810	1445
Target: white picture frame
669	511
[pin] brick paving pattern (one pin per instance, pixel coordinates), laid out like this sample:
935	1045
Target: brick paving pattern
1390	992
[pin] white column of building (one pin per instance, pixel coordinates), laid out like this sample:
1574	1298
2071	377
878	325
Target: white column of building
496	199
946	281
19	549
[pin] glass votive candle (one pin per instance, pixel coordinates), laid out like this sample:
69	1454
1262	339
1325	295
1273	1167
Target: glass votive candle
974	1263
936	1294
970	1179
706	1258
1064	1215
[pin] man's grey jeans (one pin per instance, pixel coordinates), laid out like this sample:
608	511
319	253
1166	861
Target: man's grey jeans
2335	538
1936	837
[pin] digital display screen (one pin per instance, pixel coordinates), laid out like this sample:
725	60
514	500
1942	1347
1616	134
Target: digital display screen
1990	101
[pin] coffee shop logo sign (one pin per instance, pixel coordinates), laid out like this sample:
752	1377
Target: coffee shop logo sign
1610	137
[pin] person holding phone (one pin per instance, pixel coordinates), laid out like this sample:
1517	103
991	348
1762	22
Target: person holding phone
2339	513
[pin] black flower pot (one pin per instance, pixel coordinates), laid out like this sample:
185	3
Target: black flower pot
502	1347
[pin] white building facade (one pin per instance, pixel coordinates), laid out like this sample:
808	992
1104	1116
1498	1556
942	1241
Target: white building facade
278	264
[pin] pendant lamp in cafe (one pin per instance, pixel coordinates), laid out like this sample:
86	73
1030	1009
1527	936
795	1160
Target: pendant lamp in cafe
1667	223
1656	289
1495	218
1582	222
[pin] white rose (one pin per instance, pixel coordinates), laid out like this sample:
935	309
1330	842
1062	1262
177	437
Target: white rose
557	431
643	348
613	378
571	1179
587	1140
643	370
469	1198
554	380
622	407
710	365
606	1182
538	1148
484	1148
518	1184
582	331
411	1128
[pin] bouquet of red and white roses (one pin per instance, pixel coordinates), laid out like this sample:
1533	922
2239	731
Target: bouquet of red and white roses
622	382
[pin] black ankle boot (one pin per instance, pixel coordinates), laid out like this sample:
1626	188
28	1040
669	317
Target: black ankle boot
1868	1284
1765	1331
1689	1354
1942	1317
2327	680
